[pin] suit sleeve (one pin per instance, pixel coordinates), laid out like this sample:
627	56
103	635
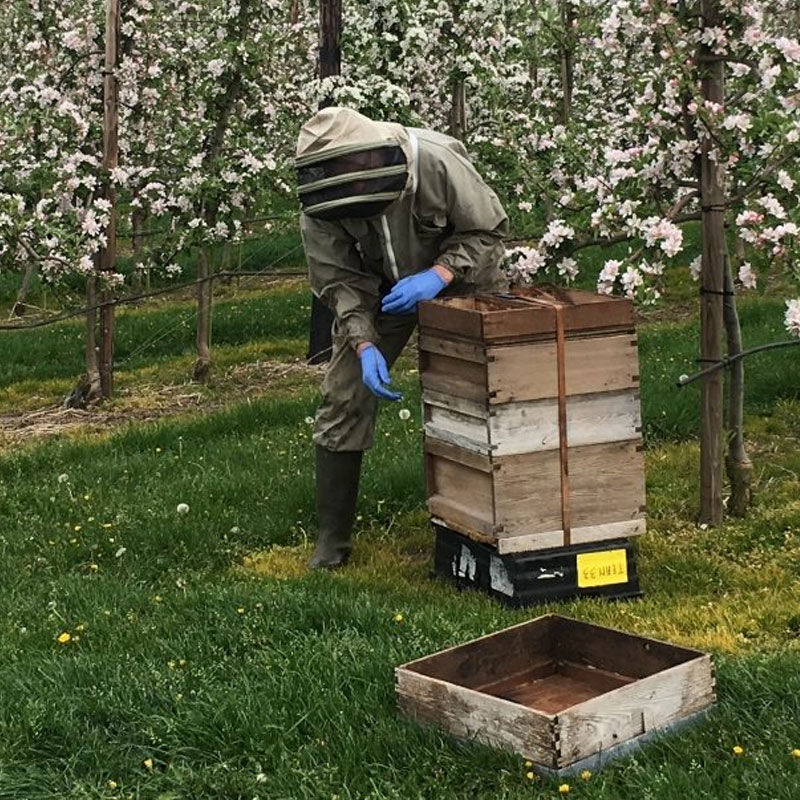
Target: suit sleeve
338	278
477	219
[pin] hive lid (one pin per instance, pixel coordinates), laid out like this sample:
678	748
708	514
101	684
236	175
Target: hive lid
525	313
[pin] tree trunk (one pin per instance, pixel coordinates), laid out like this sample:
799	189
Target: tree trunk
202	365
137	227
108	254
458	109
712	281
18	309
568	18
738	464
320	343
88	389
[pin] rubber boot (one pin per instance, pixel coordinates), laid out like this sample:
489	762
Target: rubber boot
337	494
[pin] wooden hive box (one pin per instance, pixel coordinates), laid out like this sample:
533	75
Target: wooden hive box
532	418
563	693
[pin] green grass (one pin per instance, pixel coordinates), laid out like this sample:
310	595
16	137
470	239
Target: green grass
163	338
240	675
156	334
207	663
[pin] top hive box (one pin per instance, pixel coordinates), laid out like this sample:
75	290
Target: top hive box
525	315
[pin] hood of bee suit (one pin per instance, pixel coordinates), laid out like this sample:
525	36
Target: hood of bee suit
351	166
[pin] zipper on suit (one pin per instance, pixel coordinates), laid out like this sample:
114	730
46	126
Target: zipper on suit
387	239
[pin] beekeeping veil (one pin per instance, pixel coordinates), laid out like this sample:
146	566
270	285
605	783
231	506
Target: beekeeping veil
350	166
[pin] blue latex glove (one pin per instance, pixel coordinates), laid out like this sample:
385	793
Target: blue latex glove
375	373
407	292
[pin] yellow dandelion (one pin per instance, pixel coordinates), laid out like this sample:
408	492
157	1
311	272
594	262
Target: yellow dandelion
91	519
564	788
398	617
94	567
158	598
86	497
112	784
77	528
63	638
795	753
181	662
107	525
81	628
586	774
158	449
738	751
240	610
148	763
530	775
171	664
73	541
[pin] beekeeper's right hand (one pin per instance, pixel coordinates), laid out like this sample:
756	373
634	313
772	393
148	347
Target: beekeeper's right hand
375	372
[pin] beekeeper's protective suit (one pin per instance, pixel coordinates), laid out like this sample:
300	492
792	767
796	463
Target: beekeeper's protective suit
391	216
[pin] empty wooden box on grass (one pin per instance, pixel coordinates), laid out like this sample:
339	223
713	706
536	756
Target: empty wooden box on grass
532	418
563	693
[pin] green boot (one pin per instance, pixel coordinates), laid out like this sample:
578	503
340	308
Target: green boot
337	494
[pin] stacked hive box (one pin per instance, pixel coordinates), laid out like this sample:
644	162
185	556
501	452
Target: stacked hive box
532	418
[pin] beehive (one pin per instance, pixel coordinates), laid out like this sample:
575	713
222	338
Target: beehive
532	418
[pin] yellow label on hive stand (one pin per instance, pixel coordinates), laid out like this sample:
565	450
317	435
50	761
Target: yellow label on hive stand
603	568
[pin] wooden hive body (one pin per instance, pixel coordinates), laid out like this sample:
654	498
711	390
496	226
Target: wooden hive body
564	693
532	418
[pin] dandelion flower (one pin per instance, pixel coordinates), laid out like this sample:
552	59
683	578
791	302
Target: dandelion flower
77	528
158	449
64	638
112	784
404	414
157	598
529	764
398	617
530	775
240	610
94	567
86	497
738	751
795	753
586	774
309	420
148	763
183	508
564	788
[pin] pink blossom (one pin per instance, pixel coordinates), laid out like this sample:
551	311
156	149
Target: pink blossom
747	277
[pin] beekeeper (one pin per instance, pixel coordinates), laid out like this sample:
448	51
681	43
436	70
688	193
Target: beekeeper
390	216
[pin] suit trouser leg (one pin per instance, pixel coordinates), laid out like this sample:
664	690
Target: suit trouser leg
344	428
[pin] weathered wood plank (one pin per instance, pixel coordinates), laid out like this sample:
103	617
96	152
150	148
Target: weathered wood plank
464	519
584	535
593	364
633	710
455	348
531	426
469	714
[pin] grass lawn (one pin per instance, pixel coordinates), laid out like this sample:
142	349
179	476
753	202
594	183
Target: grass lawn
204	661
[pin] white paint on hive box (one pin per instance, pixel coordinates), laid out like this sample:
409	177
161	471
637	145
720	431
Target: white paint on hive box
499	578
532	426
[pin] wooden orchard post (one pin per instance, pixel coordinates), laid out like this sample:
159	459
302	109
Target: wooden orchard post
712	283
330	63
108	254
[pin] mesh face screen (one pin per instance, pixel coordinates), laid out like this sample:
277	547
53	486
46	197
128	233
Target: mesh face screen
360	184
354	211
376	158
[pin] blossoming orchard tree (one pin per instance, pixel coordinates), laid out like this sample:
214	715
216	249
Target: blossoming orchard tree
704	127
598	121
208	98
